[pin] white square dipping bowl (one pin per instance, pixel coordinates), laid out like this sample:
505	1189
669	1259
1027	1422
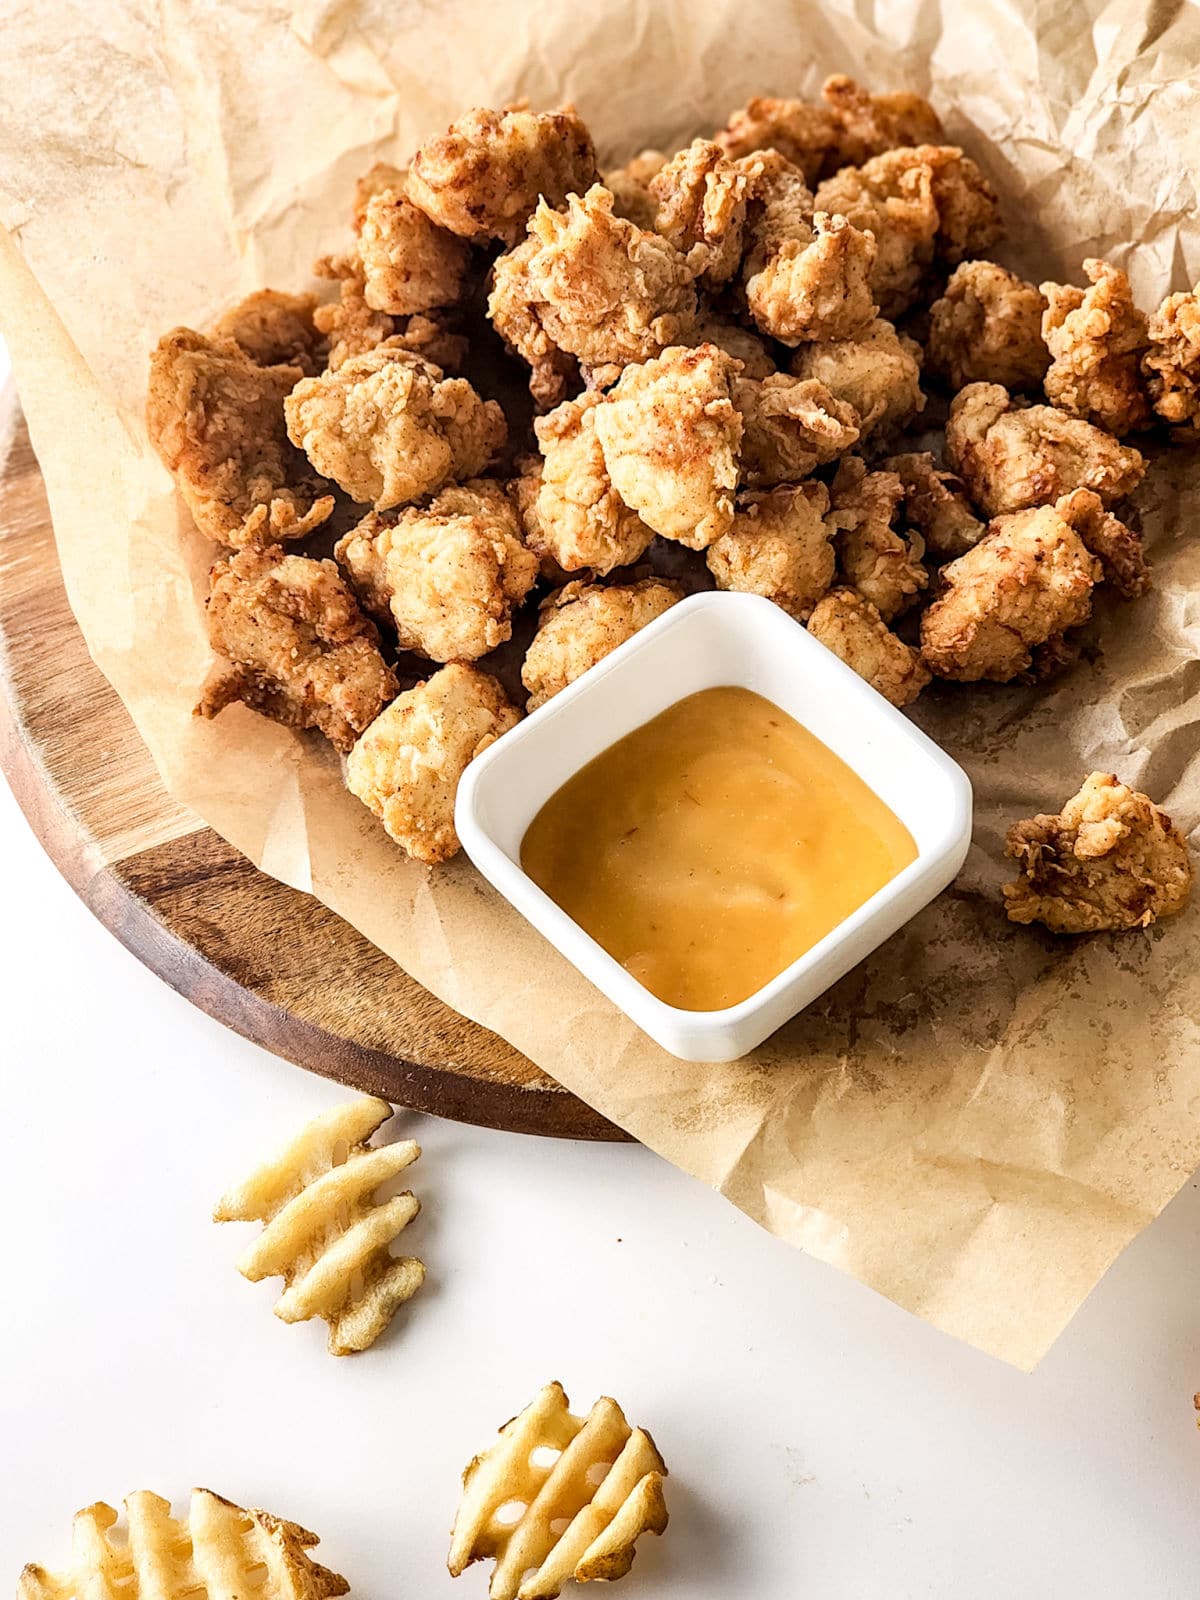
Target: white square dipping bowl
705	642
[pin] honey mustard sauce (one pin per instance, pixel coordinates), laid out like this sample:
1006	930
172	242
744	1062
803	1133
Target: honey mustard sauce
712	846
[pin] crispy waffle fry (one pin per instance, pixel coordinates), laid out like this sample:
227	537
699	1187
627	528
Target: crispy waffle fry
323	1232
558	1497
220	1552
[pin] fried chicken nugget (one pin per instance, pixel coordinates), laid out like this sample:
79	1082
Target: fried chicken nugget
353	328
701	197
848	129
274	329
292	644
630	187
1110	860
987	328
873	557
590	284
407	765
483	177
1116	546
1096	337
805	276
389	427
921	204
581	624
853	629
409	263
1022	586
670	435
573	515
790	427
935	504
780	546
878	372
448	575
1171	364
736	341
1012	456
217	420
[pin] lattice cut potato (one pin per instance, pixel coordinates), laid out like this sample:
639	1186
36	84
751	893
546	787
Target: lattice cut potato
218	1552
559	1497
323	1231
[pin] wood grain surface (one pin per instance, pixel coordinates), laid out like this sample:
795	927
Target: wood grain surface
270	962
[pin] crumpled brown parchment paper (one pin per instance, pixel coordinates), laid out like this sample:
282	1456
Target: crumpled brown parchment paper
979	1118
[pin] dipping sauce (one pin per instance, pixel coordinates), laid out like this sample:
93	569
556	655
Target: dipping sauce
711	847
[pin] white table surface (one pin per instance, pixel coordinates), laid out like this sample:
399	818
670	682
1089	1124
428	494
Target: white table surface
822	1444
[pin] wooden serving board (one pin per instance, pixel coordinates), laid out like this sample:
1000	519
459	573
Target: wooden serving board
266	960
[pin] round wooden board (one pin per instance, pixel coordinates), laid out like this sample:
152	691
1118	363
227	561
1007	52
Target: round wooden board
266	960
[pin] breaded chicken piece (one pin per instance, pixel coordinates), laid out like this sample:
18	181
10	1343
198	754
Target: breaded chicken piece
383	175
804	276
701	195
1022	586
217	420
630	187
447	575
850	127
584	622
987	328
736	341
574	516
1012	456
1110	860
293	645
935	504
1097	337
388	427
671	435
873	556
780	545
409	263
1171	364
483	177
790	427
878	372
853	629
1116	546
275	330
407	765
922	204
593	285
353	328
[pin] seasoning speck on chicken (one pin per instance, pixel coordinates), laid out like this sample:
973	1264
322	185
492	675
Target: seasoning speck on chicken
407	765
448	575
293	645
1111	859
582	623
388	427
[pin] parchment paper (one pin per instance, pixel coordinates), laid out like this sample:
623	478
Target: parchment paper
979	1118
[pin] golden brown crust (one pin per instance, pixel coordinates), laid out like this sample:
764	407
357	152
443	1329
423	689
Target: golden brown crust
1096	337
217	420
670	436
874	558
780	545
274	329
409	263
936	505
878	373
573	514
584	622
987	328
483	177
1011	456
388	427
1171	364
700	197
293	645
1109	860
852	628
447	575
407	765
790	426
629	186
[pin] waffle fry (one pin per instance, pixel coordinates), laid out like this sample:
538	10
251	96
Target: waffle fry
558	1497
218	1552
323	1232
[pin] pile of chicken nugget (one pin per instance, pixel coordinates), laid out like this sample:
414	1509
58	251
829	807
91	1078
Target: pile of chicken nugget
732	362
